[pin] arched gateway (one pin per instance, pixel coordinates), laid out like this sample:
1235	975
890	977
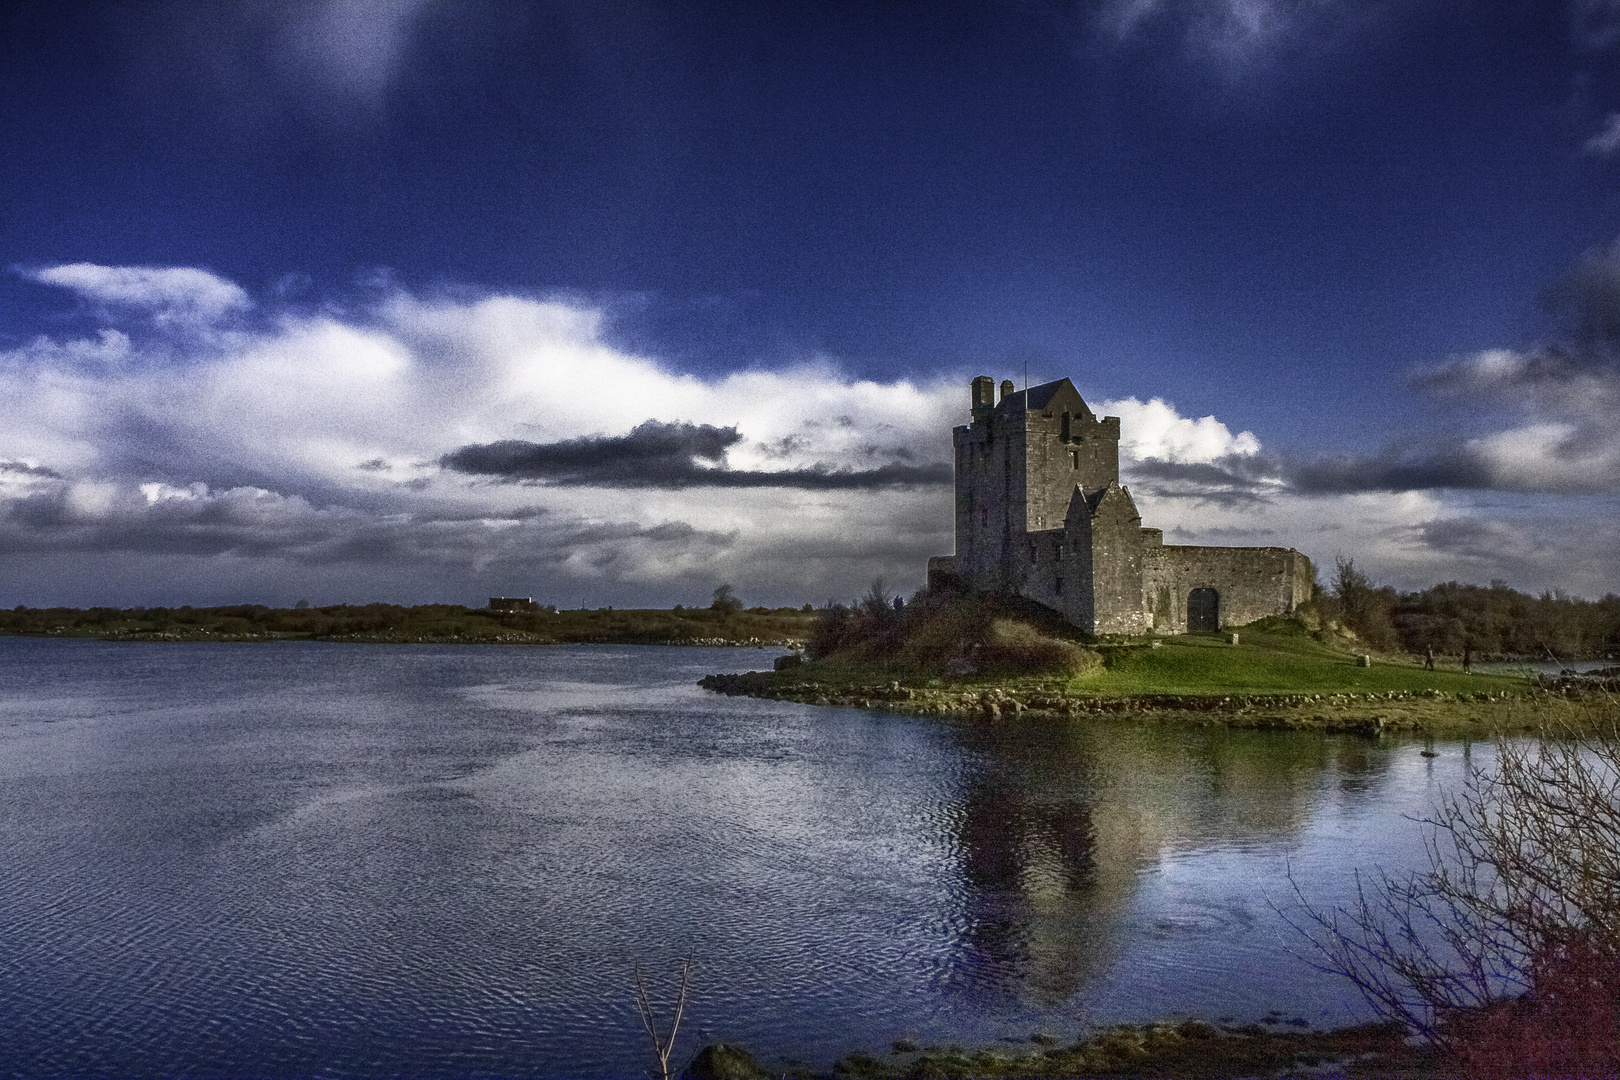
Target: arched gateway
1203	611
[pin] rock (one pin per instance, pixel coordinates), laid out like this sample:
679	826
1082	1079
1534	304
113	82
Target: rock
722	1061
791	660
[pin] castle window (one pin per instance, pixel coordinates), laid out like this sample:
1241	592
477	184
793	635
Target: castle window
1060	551
1074	459
1058	586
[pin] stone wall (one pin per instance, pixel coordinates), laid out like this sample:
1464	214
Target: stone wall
1251	582
991	505
1087	459
1116	546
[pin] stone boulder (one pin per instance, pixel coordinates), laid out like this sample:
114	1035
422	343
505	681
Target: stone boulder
722	1061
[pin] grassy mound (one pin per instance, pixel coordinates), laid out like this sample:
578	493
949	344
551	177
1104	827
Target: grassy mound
948	635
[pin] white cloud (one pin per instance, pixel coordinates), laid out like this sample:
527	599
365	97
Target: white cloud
175	297
264	442
256	462
1568	435
1154	430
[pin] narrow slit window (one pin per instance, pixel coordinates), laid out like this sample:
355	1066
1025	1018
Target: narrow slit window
1074	459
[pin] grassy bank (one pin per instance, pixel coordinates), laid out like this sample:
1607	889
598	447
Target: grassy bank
1278	676
388	623
1273	657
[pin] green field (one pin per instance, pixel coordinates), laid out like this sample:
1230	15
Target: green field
1274	662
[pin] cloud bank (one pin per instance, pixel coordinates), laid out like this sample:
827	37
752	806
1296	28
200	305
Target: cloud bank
659	455
193	444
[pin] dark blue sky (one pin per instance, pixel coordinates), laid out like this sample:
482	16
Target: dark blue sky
1268	211
901	187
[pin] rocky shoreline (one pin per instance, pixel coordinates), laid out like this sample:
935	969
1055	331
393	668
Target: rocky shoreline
1177	1048
1429	711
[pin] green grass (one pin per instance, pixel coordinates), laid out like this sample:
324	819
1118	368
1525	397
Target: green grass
1268	663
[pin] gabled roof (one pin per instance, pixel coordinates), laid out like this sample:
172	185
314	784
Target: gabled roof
1049	397
1112	494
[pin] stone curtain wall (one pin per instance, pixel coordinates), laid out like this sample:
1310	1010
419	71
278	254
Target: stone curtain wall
1252	582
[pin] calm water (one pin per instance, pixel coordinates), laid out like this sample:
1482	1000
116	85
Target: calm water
307	859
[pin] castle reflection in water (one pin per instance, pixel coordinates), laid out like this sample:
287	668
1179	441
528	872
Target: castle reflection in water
1057	830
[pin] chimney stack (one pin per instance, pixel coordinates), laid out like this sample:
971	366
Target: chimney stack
984	396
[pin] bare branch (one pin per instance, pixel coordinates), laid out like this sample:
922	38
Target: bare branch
1505	952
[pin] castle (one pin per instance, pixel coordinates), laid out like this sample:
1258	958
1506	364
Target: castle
1040	513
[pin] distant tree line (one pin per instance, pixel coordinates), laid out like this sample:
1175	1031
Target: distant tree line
725	618
1452	618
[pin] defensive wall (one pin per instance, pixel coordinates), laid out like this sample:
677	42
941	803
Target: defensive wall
1249	582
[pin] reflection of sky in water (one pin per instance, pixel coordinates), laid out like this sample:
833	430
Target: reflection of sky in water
446	861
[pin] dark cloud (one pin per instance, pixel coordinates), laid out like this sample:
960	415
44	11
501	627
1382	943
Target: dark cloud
1556	406
1587	298
660	455
1481	540
1541	548
1231	480
1452	468
249	522
25	469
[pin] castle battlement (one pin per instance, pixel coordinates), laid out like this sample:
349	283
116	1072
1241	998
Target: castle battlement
1040	513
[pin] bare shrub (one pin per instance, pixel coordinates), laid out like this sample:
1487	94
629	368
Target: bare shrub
663	1043
1505	953
943	632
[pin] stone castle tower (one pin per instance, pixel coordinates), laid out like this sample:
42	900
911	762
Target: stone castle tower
1040	513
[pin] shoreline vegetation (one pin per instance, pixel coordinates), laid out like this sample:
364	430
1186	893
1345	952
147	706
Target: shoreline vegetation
1183	1049
390	624
982	657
